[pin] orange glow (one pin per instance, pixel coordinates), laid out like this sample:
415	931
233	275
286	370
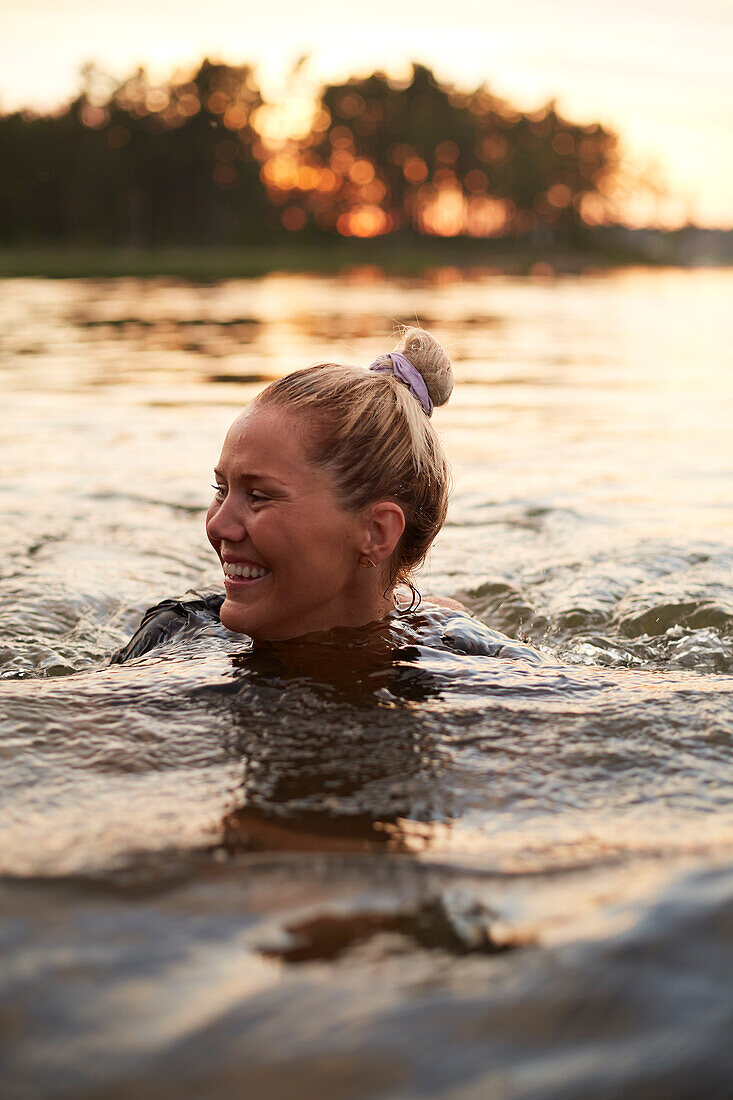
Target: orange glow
446	152
307	178
326	180
592	209
415	170
170	116
563	144
486	217
351	105
235	117
362	171
444	214
459	99
492	149
341	160
93	117
281	172
374	192
279	123
444	276
373	111
189	105
217	103
476	180
364	221
344	185
587	150
399	154
157	100
341	137
559	196
322	120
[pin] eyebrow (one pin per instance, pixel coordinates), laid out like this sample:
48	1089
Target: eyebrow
247	476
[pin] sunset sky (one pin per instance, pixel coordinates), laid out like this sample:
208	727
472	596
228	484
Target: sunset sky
657	71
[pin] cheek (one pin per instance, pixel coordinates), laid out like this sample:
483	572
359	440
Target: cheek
213	539
332	549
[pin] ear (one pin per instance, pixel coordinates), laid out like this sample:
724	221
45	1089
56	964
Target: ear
386	522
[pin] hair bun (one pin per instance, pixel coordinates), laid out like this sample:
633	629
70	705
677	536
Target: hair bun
431	360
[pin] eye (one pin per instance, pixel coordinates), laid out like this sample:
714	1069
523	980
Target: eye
220	491
258	498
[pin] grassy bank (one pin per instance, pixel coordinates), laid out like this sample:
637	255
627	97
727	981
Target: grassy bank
394	256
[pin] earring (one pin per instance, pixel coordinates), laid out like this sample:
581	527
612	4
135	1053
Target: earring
368	564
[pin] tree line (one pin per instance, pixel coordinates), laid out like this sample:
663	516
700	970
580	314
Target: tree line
196	161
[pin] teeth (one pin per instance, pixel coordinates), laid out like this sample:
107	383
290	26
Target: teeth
248	572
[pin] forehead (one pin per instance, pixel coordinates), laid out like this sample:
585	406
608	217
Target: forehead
267	441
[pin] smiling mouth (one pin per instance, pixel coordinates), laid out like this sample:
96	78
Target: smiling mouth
238	572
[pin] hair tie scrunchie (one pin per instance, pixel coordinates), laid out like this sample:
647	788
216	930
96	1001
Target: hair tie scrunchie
403	369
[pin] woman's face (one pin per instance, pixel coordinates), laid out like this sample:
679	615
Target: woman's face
289	552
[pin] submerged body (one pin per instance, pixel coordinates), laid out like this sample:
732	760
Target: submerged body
452	626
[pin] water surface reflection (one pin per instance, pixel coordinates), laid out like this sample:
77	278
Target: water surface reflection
179	832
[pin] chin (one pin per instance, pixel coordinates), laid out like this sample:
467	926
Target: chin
235	618
240	620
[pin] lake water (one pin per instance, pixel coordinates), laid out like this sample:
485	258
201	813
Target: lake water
375	870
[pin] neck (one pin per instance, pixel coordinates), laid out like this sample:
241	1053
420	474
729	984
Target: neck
372	596
368	602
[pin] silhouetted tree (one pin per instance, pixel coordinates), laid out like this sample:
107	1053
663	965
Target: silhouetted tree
381	156
144	164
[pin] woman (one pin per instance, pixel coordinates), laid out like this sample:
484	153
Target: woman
331	487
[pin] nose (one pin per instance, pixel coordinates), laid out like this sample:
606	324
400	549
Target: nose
225	522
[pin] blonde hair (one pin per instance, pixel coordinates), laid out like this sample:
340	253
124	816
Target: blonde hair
374	439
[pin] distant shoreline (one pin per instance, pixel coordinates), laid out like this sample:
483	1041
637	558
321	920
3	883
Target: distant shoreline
390	255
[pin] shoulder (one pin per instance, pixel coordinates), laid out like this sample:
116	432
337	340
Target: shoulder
465	634
167	619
